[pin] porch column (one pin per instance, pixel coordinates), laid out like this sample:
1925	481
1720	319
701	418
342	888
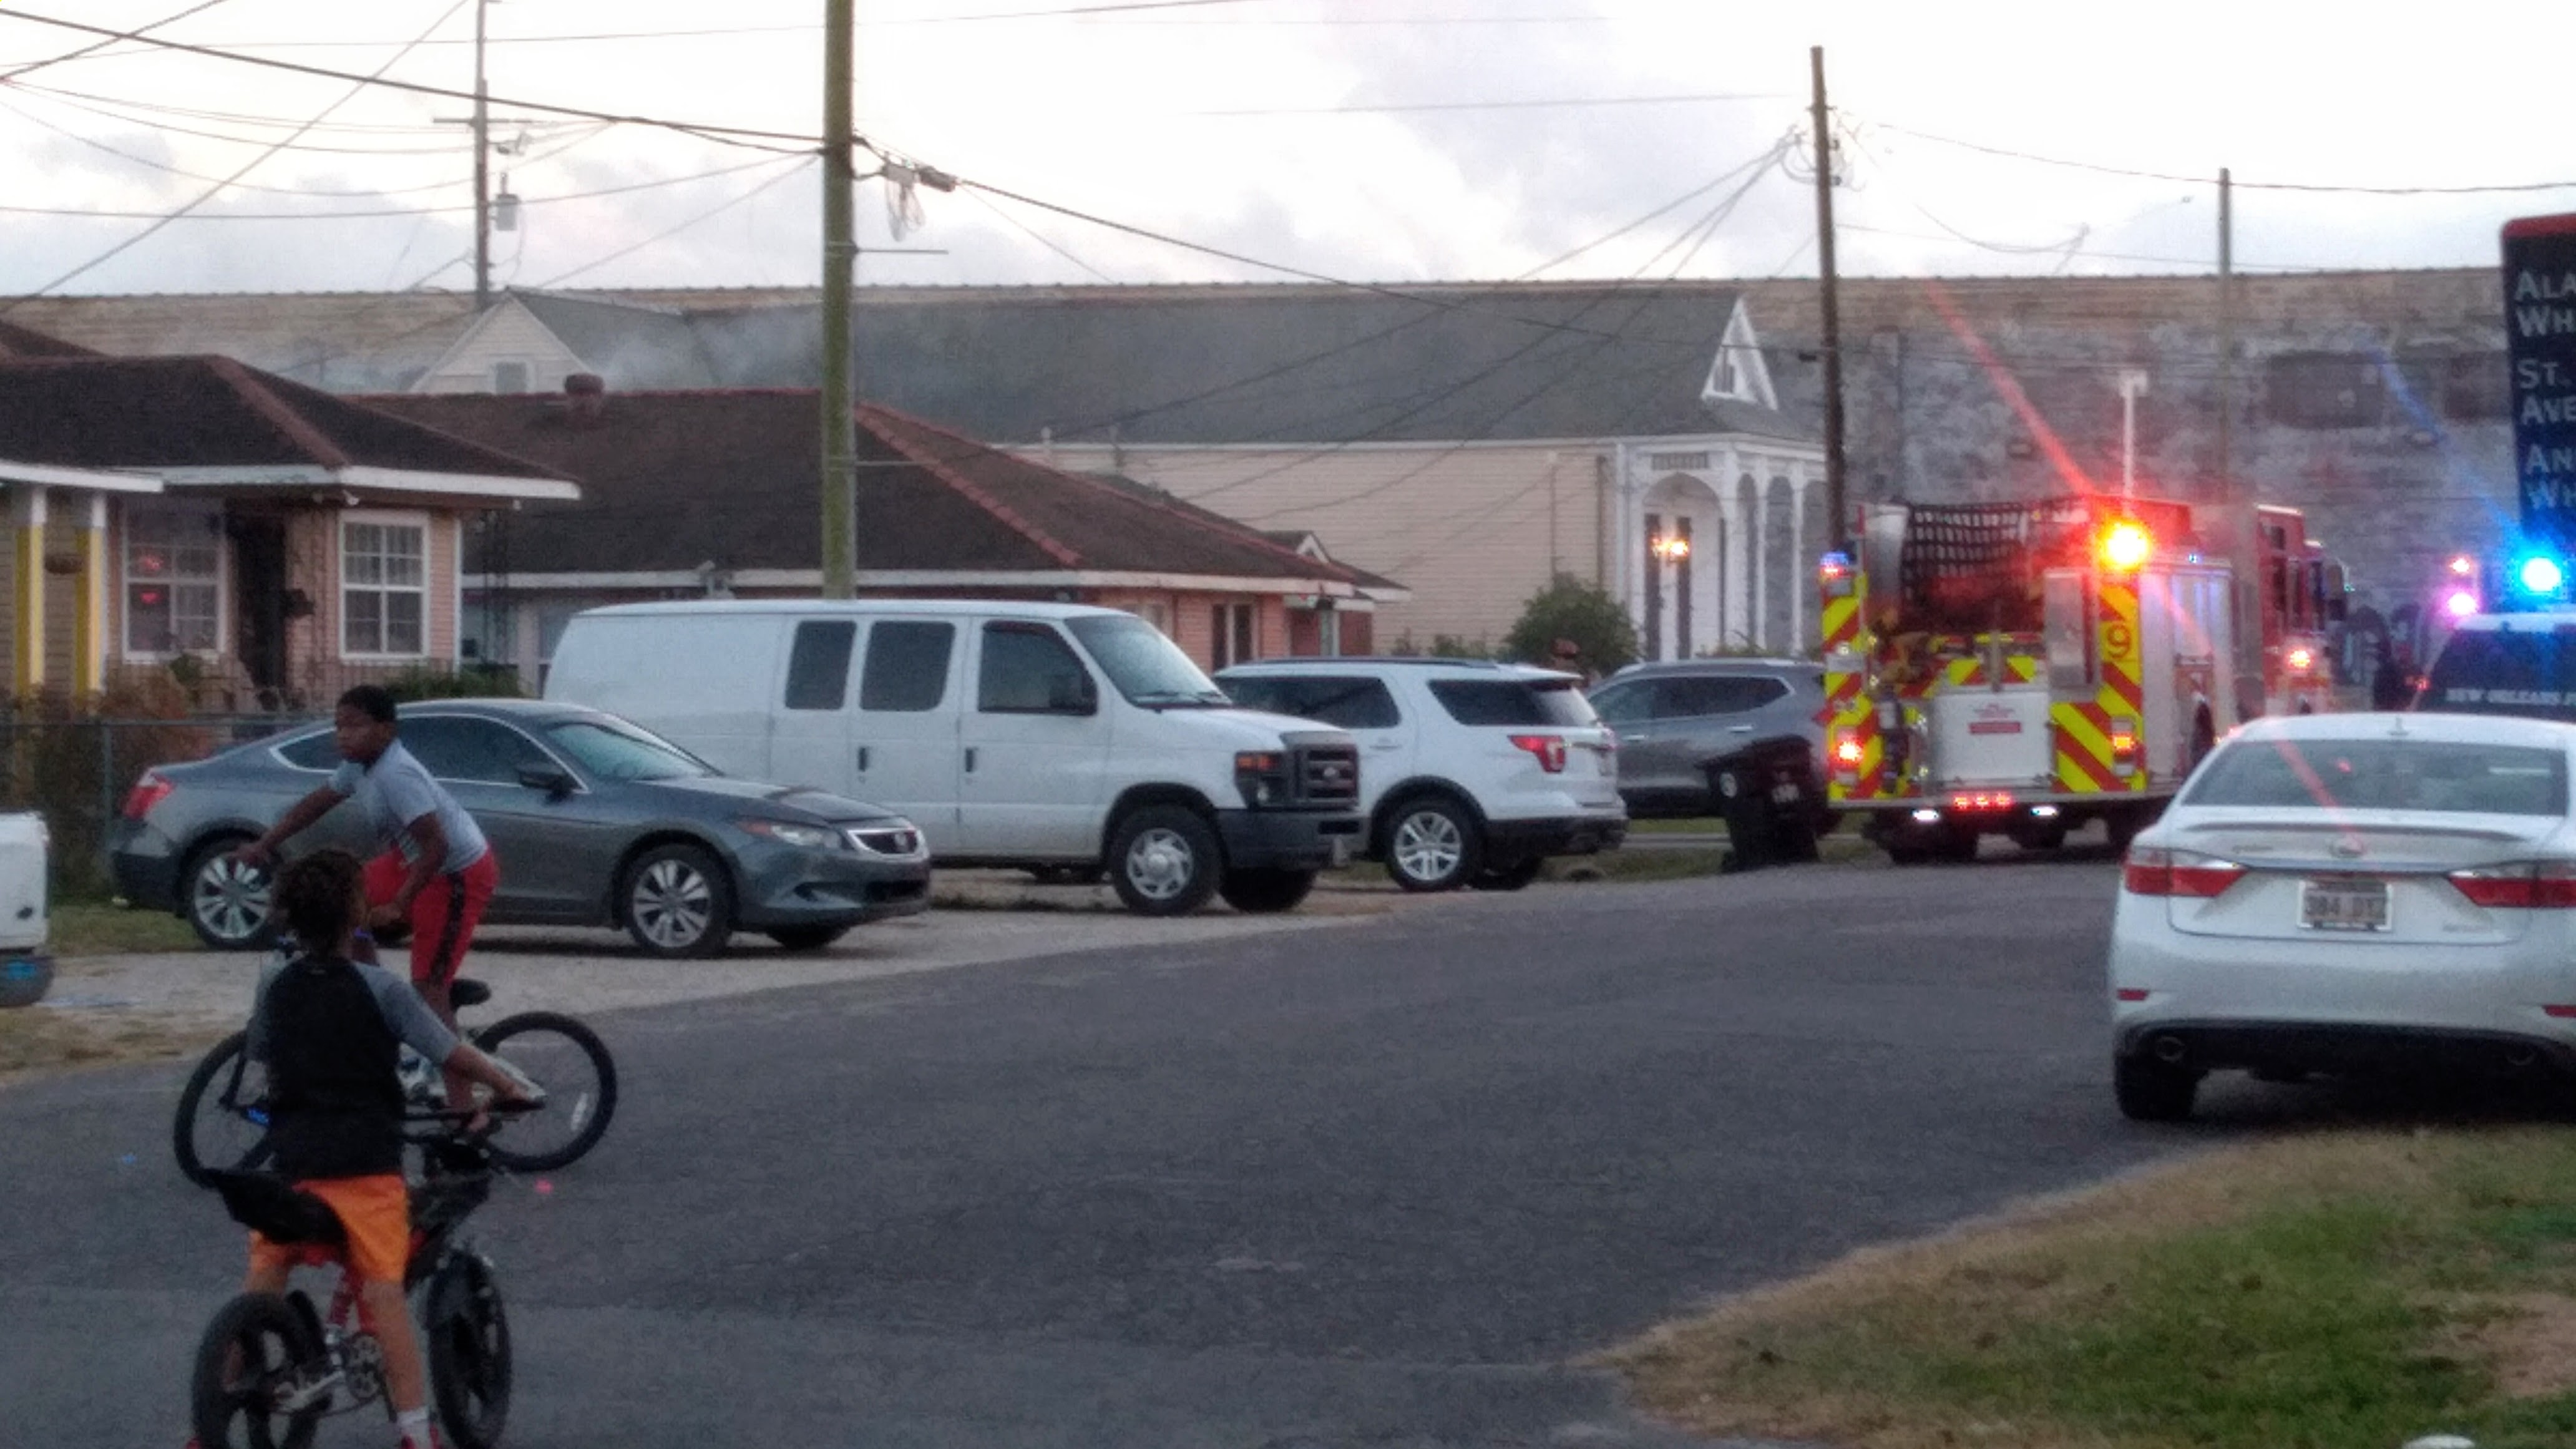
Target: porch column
1739	578
1802	578
27	517
1762	560
89	620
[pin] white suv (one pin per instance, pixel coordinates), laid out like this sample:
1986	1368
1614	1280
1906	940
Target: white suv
1471	773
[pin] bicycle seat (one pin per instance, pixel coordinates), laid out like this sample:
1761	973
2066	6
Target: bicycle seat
464	992
277	1209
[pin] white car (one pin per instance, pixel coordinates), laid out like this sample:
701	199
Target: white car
1471	773
2340	892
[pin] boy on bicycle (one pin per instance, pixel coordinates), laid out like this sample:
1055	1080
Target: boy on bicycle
329	1030
436	873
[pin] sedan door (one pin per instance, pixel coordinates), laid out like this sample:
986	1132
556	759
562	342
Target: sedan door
554	856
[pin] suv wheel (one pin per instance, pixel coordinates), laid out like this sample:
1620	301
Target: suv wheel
1432	844
1165	860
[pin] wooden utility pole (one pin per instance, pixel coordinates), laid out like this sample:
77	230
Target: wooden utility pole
482	171
1837	505
840	263
2244	540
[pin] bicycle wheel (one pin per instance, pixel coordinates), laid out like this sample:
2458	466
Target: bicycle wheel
569	1061
223	1113
468	1338
247	1365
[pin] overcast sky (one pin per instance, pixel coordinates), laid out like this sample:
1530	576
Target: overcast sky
1366	140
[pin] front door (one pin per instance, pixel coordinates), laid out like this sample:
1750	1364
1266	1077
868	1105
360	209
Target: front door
260	603
1033	750
903	738
809	733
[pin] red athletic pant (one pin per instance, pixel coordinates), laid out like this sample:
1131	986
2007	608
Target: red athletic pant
443	915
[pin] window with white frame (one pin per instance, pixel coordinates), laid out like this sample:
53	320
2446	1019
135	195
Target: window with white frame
384	586
174	579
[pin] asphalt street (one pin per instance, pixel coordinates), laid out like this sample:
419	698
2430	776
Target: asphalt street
1375	1184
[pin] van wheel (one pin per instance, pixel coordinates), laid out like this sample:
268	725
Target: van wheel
676	900
1431	844
1164	860
1259	892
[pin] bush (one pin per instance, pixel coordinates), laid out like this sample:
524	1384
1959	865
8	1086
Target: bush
1581	613
474	681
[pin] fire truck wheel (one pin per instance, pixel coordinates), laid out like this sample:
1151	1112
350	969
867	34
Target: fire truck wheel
1956	846
2040	835
2123	826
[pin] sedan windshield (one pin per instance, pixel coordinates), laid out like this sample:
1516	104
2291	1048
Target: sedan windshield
1146	667
2385	774
621	751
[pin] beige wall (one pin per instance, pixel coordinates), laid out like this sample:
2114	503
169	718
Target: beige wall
507	334
1471	531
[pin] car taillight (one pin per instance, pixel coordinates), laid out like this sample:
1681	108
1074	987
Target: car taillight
1550	750
149	791
2153	872
2528	885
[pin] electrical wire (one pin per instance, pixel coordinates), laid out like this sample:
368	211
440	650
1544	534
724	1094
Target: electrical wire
729	135
671	231
31	67
1557	103
1040	237
209	193
2010	154
398	210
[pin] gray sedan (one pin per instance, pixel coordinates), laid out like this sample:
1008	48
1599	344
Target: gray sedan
596	822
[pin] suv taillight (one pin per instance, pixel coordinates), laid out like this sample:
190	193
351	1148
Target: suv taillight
2152	872
1550	750
2543	885
149	791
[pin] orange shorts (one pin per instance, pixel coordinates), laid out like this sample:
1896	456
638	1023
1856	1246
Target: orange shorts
375	1212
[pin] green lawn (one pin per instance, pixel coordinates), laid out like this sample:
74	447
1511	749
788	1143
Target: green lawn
92	928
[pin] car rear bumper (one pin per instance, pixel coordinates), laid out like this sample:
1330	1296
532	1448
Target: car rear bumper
1585	834
145	865
1289	839
2310	1046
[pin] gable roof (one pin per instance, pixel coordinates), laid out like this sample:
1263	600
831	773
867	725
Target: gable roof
17	342
1276	364
214	420
674	480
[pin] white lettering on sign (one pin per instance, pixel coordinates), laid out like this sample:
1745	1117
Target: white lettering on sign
2545	321
2560	409
2534	372
2531	286
2540	460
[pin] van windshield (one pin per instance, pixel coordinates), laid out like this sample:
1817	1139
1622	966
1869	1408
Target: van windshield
2525	672
1142	665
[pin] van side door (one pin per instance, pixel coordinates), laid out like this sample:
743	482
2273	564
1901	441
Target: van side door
1033	748
903	735
809	731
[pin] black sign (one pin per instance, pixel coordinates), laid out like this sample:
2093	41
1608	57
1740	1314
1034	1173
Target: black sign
2540	346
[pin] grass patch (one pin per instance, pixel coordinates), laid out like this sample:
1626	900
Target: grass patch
98	928
34	1039
2346	1289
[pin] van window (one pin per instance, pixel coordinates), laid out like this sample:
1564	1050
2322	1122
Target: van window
907	670
1029	669
2527	672
1348	703
818	664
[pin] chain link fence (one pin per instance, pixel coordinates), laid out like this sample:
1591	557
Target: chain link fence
77	771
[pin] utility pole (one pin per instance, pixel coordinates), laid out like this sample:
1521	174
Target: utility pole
1836	504
482	171
840	263
2244	543
2133	381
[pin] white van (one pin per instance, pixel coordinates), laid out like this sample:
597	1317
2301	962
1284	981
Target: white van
987	724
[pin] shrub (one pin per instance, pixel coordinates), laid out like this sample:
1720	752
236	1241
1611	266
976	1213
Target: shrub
1582	613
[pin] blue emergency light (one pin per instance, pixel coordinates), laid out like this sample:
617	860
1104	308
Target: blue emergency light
2539	575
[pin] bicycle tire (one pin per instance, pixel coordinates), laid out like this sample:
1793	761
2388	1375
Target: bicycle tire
267	1331
467	1334
214	1128
580	1097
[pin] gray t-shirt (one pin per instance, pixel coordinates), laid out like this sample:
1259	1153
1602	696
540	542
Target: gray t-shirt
395	791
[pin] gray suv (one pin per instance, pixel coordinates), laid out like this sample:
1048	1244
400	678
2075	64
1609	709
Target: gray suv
1679	721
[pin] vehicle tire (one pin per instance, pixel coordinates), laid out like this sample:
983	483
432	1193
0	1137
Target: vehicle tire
2049	836
570	1061
1431	844
807	938
1265	891
2123	823
222	1120
227	903
466	1333
252	1349
2151	1091
677	900
1510	877
1164	860
1955	846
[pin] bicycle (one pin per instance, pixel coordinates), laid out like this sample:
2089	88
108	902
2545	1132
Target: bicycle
272	1366
222	1120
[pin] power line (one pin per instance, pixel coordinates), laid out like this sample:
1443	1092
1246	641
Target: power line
2101	169
32	67
380	212
729	135
210	192
1547	104
675	230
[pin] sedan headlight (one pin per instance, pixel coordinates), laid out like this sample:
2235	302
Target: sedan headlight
788	832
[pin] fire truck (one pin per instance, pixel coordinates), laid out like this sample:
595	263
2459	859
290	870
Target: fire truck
2303	598
2022	668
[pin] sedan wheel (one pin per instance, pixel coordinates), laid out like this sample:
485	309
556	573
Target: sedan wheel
1431	846
678	901
229	905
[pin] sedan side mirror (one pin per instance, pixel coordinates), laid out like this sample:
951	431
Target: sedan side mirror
555	780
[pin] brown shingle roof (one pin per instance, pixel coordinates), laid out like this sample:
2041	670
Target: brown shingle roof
17	342
674	479
201	412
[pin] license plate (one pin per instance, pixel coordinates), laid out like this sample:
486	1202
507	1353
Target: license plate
2343	905
1341	845
1786	793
